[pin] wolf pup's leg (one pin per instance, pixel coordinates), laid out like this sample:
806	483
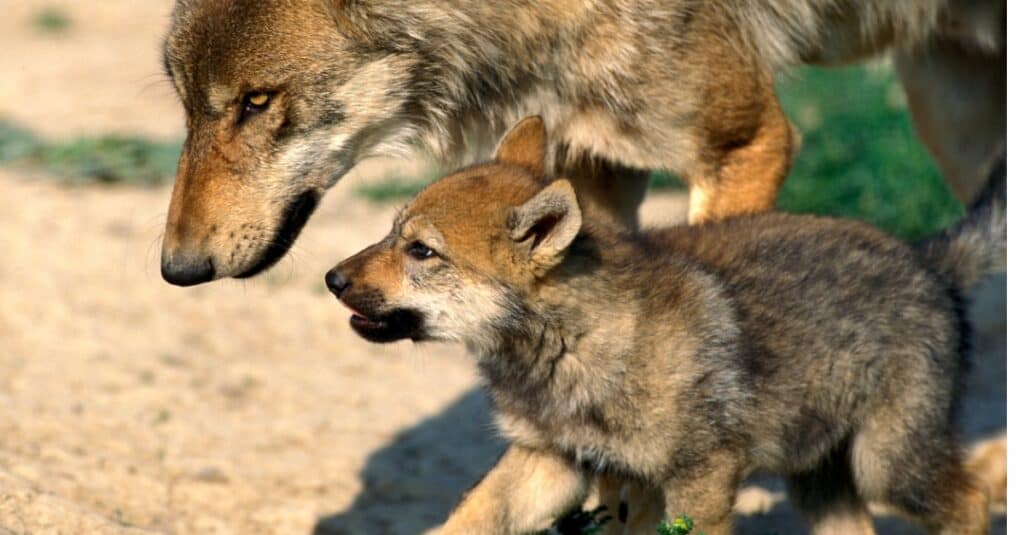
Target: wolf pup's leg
987	460
828	498
917	466
706	492
612	493
635	508
646	507
524	493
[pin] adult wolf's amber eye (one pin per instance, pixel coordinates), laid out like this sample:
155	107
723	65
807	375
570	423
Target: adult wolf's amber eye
419	251
254	103
257	100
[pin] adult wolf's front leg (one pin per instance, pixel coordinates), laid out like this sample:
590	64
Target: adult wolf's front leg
957	98
744	142
745	164
525	492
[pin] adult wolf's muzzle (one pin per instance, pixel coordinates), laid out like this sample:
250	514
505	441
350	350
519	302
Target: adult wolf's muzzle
292	221
190	255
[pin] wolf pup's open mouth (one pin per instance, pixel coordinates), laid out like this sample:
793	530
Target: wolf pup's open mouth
390	327
364	322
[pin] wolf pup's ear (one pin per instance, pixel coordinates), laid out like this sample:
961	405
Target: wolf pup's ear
547	224
524	145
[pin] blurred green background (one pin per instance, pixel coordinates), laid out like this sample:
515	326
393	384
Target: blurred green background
860	157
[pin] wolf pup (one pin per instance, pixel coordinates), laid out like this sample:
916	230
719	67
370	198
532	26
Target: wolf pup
686	358
279	112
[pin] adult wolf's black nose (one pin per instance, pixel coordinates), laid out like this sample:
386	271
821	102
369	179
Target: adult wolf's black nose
336	283
186	270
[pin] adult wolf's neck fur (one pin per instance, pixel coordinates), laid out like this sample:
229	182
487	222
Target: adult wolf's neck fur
470	81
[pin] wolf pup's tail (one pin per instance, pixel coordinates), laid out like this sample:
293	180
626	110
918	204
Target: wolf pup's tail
975	247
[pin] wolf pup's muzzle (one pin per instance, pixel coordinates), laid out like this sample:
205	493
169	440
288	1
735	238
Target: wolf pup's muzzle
369	318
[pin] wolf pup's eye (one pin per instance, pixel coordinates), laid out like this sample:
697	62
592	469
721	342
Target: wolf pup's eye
419	251
254	103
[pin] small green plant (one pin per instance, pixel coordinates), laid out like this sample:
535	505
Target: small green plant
393	188
663	180
51	20
16	142
112	159
682	525
106	159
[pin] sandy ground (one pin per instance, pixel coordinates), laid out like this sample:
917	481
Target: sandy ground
130	406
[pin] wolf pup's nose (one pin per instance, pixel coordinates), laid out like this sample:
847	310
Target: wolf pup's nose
336	283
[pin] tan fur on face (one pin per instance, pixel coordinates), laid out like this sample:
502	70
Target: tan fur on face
240	172
380	267
475	301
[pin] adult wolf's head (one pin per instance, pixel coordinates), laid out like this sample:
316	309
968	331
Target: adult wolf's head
281	99
466	251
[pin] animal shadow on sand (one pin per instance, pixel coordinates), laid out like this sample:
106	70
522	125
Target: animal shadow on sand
412	483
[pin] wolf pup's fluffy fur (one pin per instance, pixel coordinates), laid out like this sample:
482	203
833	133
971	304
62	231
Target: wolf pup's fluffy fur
686	358
283	98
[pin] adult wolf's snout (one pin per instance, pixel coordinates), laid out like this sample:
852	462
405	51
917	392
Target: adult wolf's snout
208	238
185	268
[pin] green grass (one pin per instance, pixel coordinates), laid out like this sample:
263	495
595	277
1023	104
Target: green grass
860	156
51	20
110	159
394	187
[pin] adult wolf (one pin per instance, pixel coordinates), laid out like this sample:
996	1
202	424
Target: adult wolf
283	98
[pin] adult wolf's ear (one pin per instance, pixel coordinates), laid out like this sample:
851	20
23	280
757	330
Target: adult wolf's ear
524	145
547	224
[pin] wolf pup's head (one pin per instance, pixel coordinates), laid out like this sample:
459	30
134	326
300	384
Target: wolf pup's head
463	252
281	99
